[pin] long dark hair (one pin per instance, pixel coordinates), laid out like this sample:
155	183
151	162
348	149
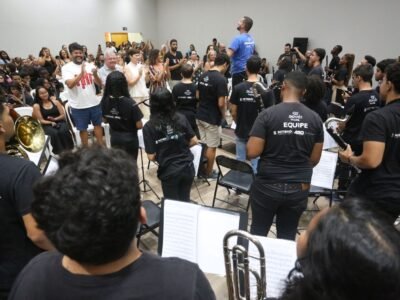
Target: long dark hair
315	90
153	57
163	111
353	253
116	86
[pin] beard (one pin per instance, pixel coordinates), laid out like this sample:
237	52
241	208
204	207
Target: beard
77	60
238	28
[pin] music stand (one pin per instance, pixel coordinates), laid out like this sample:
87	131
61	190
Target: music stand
145	182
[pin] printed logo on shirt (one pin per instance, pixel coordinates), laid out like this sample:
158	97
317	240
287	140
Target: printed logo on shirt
295	118
188	93
395	135
86	79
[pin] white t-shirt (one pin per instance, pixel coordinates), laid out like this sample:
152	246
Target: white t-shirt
83	95
139	90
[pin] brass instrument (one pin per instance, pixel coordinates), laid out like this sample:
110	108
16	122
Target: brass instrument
333	127
237	267
29	136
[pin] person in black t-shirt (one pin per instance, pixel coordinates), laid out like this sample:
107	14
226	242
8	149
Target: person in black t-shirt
93	224
315	61
184	94
212	91
341	77
168	137
288	56
122	113
176	61
20	239
359	105
314	95
288	137
245	107
380	72
334	63
379	181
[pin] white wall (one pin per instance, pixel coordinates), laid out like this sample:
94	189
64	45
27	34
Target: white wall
362	27
26	26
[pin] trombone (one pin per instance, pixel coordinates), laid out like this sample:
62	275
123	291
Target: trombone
237	267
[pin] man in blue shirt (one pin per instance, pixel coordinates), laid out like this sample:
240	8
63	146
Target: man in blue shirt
240	50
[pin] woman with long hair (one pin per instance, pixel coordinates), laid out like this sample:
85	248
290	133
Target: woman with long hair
158	71
51	115
168	137
349	252
122	113
341	78
47	61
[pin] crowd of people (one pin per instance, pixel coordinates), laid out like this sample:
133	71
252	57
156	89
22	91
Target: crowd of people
90	208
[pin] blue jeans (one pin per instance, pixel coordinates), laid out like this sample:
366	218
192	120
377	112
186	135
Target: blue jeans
241	153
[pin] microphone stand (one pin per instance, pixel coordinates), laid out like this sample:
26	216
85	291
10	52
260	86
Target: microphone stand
145	182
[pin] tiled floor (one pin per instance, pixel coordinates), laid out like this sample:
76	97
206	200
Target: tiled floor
202	193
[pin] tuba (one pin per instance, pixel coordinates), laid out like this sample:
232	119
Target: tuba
237	267
29	136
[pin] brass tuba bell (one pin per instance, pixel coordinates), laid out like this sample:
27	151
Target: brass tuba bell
29	136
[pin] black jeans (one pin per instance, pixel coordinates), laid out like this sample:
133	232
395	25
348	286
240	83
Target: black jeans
238	78
178	187
286	201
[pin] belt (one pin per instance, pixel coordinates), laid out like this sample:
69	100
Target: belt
291	186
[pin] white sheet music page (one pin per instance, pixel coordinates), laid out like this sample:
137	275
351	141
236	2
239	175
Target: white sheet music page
324	173
180	230
213	225
280	258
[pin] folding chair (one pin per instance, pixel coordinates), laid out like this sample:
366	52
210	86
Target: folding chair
76	137
240	177
153	212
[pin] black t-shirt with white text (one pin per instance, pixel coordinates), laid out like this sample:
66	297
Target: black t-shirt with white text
121	113
174	60
170	143
290	131
149	277
248	107
17	177
363	102
212	85
185	99
383	182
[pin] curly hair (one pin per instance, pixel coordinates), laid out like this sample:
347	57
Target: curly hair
89	209
353	253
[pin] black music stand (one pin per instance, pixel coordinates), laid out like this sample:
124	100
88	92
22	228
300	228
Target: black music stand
145	182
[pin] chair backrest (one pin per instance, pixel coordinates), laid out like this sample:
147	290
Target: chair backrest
70	123
233	164
24	110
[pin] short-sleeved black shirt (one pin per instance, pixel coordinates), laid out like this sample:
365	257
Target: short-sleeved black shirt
247	107
185	98
121	113
363	102
17	177
334	63
149	277
383	182
290	131
317	71
174	60
341	74
170	143
212	85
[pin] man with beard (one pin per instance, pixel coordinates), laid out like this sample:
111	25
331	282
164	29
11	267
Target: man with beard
80	79
176	61
240	50
379	181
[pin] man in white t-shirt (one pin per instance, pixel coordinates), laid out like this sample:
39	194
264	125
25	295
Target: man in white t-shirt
80	79
110	65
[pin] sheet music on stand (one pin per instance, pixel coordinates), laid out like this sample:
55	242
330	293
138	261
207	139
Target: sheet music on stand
195	233
324	173
280	259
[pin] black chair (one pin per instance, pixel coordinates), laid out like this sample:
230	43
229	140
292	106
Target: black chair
153	212
239	177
